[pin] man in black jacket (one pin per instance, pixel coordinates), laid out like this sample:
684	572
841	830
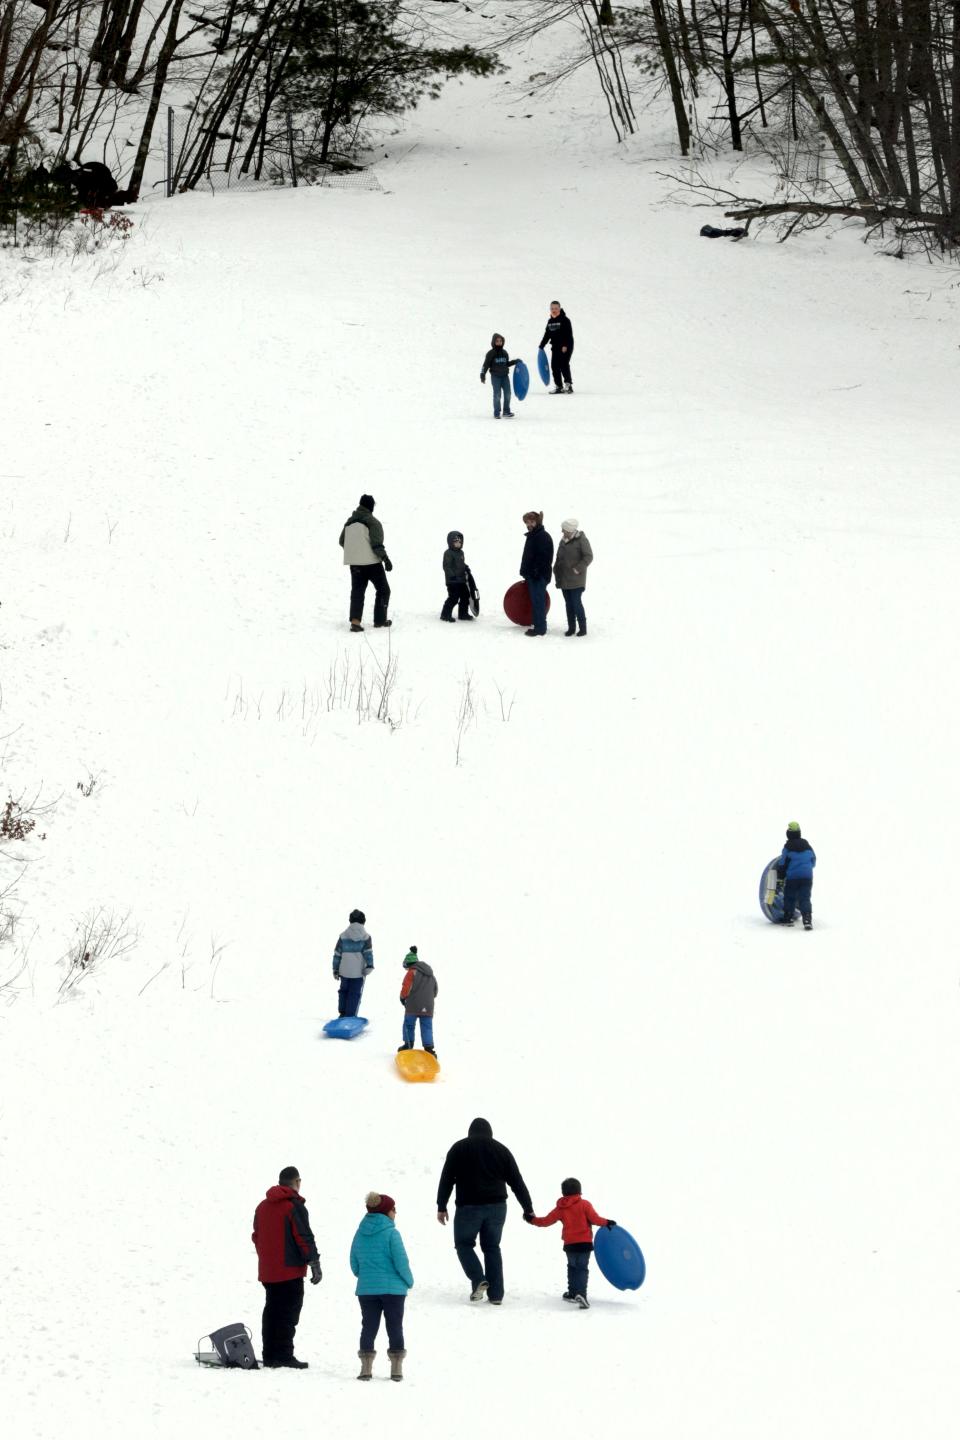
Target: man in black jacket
559	332
536	567
481	1169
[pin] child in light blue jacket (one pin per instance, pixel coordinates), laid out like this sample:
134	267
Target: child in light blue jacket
380	1263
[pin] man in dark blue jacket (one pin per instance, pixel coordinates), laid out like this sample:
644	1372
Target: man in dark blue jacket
797	861
536	567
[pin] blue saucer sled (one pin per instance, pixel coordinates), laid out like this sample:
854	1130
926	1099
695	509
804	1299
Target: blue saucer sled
543	365
619	1258
345	1027
521	380
771	892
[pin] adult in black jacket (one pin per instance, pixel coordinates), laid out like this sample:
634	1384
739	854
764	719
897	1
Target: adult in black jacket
536	567
481	1169
559	332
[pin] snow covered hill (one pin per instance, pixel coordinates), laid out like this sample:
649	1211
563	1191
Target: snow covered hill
758	451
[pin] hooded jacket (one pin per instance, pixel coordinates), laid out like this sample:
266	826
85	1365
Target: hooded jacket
576	1215
454	565
353	953
559	332
481	1169
537	560
573	554
378	1259
362	539
496	360
797	859
419	989
282	1236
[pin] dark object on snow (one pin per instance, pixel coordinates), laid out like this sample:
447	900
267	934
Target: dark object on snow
231	1346
712	233
94	184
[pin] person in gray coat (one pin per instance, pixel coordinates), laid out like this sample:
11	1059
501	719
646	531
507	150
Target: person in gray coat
417	994
364	551
570	572
456	572
352	962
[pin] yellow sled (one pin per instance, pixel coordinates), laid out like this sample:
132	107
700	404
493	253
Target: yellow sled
417	1065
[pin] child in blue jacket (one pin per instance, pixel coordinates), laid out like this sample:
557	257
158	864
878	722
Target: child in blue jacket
797	861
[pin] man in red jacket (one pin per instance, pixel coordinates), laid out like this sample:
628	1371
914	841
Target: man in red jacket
285	1247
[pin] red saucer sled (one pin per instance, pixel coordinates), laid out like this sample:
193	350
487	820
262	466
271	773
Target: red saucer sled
516	604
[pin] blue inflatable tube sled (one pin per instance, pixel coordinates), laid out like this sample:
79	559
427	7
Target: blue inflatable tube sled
521	380
620	1258
771	892
543	365
345	1027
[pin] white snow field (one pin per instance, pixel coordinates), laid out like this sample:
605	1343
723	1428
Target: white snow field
762	449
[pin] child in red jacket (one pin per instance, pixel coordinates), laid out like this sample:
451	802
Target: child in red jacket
577	1216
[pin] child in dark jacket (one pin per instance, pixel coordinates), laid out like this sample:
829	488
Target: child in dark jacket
577	1215
498	362
417	995
797	861
456	572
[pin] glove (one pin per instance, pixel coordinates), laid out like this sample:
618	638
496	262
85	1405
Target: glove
781	874
528	1216
610	1225
336	976
539	347
316	1274
483	379
388	564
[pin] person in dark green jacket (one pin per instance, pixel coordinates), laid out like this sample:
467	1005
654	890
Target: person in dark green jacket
363	550
379	1261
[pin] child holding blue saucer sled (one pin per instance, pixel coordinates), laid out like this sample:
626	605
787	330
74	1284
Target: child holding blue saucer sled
498	362
797	862
577	1216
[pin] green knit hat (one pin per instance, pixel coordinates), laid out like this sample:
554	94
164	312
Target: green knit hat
794	827
411	958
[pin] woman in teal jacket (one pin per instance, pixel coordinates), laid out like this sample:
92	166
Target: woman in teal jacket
380	1263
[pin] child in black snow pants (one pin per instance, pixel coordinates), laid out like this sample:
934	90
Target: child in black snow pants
498	362
456	570
577	1216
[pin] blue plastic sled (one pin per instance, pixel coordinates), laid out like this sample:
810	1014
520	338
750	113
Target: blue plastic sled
771	892
521	380
543	365
620	1258
345	1027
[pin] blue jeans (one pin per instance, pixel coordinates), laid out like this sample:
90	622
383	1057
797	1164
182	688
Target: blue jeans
501	390
485	1222
578	1268
796	896
350	992
390	1308
537	590
573	599
426	1030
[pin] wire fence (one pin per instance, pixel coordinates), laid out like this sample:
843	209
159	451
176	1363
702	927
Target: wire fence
276	156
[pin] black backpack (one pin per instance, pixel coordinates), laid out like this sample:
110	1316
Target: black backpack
231	1346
